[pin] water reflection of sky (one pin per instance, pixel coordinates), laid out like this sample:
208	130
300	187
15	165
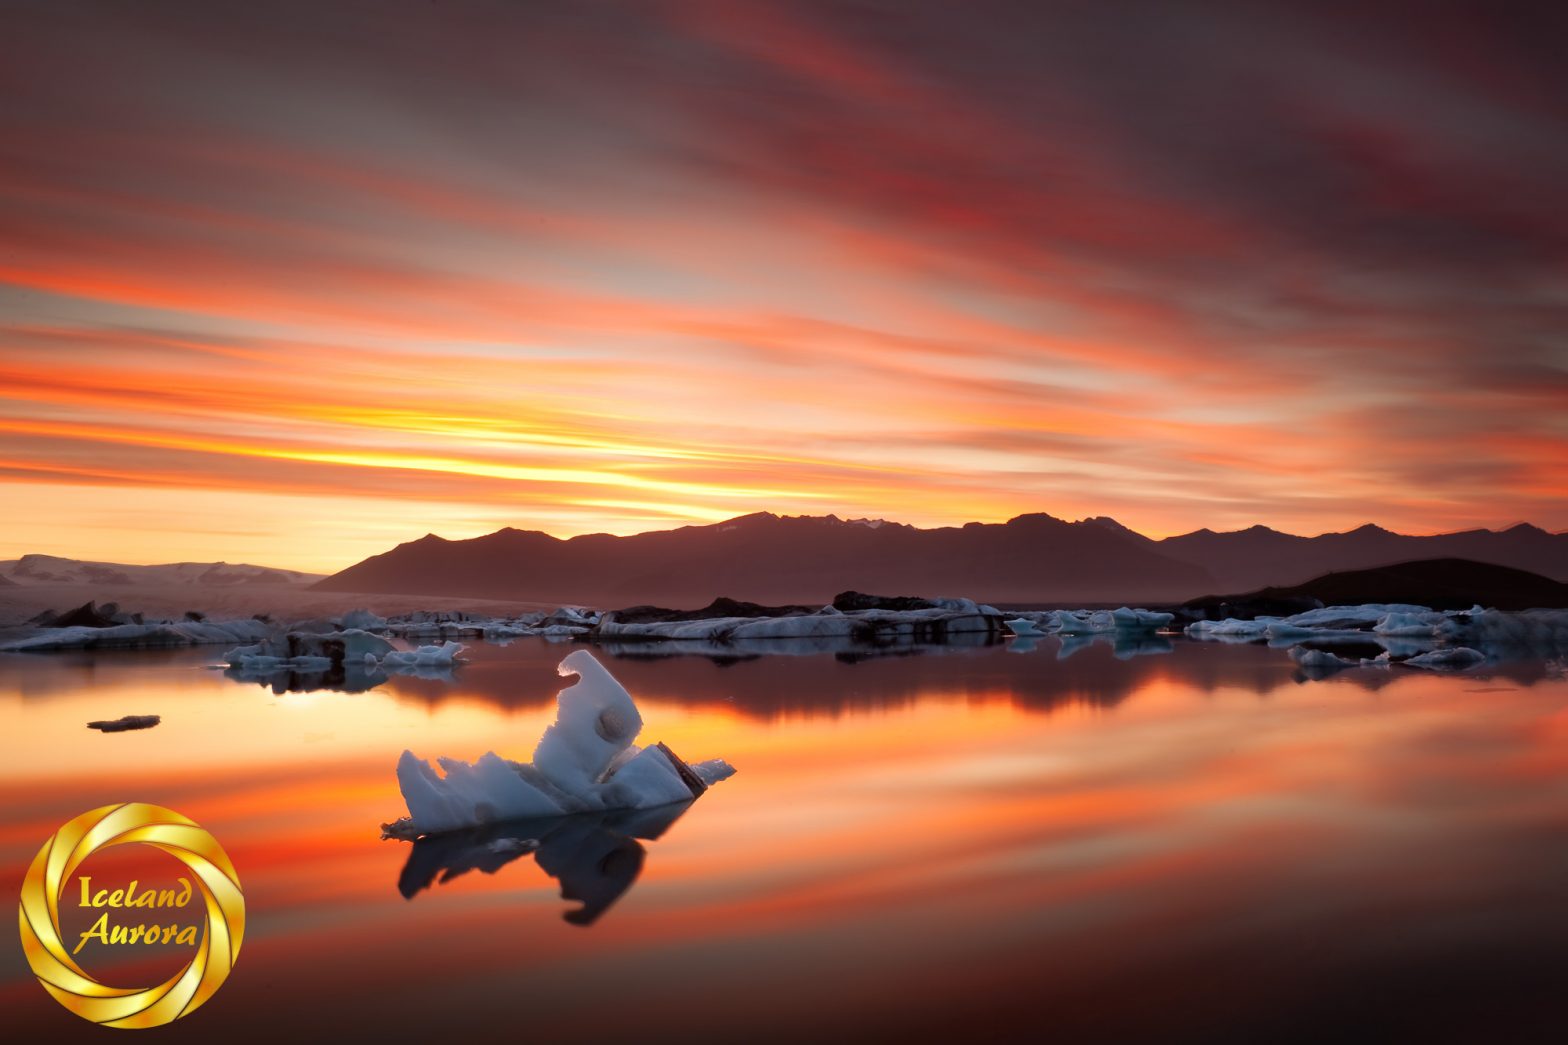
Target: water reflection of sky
1197	844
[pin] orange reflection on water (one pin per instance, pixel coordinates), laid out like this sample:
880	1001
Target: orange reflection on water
1021	829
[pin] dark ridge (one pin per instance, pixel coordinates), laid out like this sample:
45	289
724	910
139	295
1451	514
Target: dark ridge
774	560
87	615
1441	584
720	607
854	602
1032	559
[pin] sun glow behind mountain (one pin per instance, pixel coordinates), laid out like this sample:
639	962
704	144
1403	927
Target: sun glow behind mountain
292	296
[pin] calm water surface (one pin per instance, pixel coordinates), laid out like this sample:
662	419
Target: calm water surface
983	844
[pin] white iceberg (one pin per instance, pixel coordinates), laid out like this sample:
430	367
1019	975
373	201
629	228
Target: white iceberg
1342	616
1084	622
585	761
1231	627
1141	620
440	655
307	651
1023	627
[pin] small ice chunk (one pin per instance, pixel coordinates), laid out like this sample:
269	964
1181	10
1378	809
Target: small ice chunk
125	722
713	770
442	654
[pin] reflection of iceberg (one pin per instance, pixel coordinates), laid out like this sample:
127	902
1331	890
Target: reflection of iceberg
1319	663
1452	658
300	677
595	856
1024	644
1127	647
586	761
1124	646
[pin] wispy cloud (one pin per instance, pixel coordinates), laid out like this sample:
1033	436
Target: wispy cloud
601	267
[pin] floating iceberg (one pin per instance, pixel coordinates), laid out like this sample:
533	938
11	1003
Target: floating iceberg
1104	622
441	655
1141	620
1415	636
307	651
1023	627
1374	621
585	761
1084	622
1231	628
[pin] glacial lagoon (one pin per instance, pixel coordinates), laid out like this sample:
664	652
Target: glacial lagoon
1073	839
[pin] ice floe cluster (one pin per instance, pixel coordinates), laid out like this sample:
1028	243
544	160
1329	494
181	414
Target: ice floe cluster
145	635
298	650
586	761
1332	638
351	659
1089	622
942	618
565	622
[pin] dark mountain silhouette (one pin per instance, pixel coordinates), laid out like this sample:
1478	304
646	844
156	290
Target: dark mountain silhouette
1260	556
765	558
805	559
1443	584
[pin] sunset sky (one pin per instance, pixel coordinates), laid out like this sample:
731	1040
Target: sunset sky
291	284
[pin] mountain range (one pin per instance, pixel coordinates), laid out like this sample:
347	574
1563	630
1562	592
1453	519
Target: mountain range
34	570
1032	558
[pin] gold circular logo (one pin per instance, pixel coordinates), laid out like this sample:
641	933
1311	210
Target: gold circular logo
216	951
